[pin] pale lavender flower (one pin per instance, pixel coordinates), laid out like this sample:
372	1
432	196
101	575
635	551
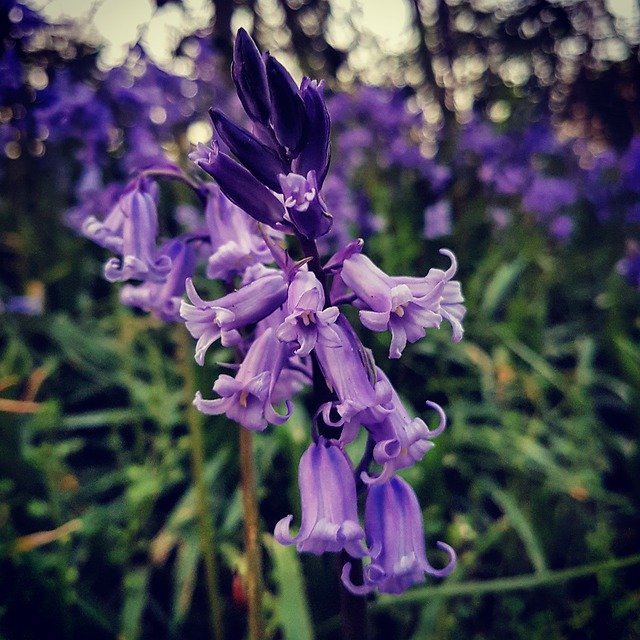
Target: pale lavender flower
349	372
248	398
139	227
437	220
235	243
308	322
395	535
403	305
401	441
329	506
164	299
208	320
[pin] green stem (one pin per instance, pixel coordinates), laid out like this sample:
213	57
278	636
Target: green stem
251	536
532	581
206	531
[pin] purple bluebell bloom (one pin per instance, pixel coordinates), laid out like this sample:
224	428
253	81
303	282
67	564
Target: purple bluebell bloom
305	208
308	322
546	195
395	535
400	440
248	398
209	320
349	372
437	220
405	306
163	299
235	243
139	227
239	185
329	506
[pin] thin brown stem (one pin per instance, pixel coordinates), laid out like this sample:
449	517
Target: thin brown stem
251	536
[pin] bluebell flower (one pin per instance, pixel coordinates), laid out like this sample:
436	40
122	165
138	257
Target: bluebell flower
329	506
239	185
307	321
403	305
400	441
138	225
164	299
208	320
349	372
235	242
248	398
395	536
305	208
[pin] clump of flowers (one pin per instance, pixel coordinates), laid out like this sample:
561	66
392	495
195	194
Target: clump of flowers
284	314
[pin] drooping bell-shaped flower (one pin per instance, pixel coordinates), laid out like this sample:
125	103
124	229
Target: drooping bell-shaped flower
405	306
163	299
395	535
235	242
139	255
308	321
305	208
329	506
400	441
248	398
349	372
208	320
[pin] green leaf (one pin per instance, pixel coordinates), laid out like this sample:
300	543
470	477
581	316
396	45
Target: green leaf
291	605
135	599
502	282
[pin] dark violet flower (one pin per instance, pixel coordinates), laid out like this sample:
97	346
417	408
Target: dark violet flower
250	77
308	322
288	114
305	208
235	242
239	185
329	507
163	299
405	306
349	372
395	535
248	398
262	161
209	320
315	154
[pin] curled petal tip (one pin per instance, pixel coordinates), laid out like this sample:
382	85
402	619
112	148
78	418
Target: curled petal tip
442	425
451	271
357	590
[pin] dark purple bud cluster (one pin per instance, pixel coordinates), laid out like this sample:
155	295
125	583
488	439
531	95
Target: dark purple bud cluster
286	152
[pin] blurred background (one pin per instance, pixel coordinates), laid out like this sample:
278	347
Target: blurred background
508	132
